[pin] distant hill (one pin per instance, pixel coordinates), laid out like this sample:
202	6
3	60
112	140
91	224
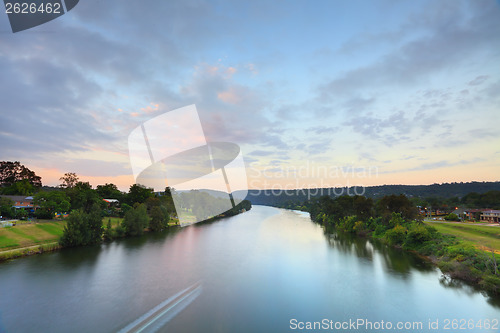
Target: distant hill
445	190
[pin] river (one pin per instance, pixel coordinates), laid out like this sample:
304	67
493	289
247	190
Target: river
267	270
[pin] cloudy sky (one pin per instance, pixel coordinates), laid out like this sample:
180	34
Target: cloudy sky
316	93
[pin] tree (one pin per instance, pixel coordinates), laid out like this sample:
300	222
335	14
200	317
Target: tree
138	193
135	221
109	191
82	196
22	187
82	228
51	202
6	209
21	214
396	204
159	218
69	180
12	172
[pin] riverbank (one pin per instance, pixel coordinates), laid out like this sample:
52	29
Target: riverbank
28	251
457	258
40	237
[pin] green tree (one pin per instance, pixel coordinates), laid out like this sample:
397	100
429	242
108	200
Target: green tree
138	193
21	214
82	196
159	218
22	187
396	204
135	221
109	191
82	228
6	209
51	202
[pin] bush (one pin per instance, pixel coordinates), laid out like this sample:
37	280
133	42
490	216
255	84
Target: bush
451	217
109	233
417	235
396	220
120	231
348	224
491	283
373	223
379	230
396	235
135	221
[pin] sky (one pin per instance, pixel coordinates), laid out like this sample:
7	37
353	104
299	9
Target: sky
315	93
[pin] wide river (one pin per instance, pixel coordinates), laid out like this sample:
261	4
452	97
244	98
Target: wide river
267	270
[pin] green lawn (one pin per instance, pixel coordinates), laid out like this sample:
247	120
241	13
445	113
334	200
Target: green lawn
6	242
54	228
481	236
24	235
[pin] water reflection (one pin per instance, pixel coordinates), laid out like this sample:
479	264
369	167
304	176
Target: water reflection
259	270
397	261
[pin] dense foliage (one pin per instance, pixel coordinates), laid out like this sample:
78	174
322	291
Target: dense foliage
82	228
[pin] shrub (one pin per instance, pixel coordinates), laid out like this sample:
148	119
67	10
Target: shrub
347	224
136	220
120	231
109	233
451	217
396	220
417	235
396	235
379	230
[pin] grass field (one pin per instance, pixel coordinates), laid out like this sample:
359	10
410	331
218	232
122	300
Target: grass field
25	235
481	236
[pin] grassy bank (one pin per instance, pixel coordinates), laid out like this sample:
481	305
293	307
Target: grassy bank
30	250
481	236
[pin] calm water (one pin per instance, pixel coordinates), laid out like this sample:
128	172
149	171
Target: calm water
258	271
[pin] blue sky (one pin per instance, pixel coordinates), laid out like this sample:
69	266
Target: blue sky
410	89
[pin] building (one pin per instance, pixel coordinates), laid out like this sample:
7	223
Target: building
21	201
112	202
491	216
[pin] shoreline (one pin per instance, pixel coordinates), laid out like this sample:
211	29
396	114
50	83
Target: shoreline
54	246
29	251
437	262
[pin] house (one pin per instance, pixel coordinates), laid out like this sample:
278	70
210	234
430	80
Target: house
491	216
21	201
